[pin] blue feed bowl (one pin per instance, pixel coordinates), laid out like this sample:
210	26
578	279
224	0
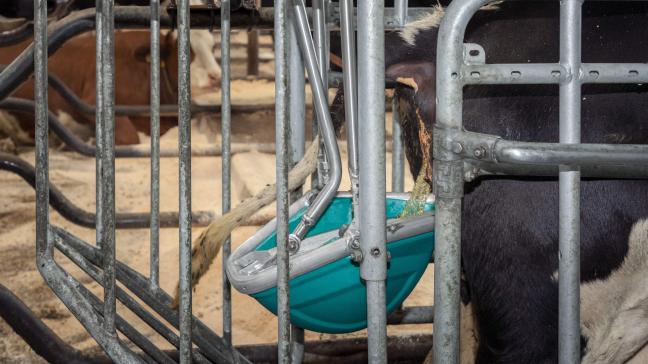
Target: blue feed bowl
332	298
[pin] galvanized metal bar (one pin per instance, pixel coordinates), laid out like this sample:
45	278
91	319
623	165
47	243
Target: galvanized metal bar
297	103
350	79
154	260
479	168
412	315
226	170
400	11
327	132
43	248
506	151
398	150
553	73
297	345
371	123
184	144
319	178
297	145
105	159
569	350
282	117
448	181
614	73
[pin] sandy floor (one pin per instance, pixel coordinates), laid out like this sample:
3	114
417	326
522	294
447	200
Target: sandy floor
75	176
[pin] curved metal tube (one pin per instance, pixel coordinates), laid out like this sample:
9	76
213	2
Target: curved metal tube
17	35
326	128
80	217
35	333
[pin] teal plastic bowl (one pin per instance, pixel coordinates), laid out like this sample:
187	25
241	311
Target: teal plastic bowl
332	298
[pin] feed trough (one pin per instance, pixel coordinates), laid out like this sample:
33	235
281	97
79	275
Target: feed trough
326	292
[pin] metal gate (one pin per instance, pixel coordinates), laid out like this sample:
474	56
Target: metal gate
457	151
295	49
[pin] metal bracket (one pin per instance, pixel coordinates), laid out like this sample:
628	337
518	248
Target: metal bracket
474	54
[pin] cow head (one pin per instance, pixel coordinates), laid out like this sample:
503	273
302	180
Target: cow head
410	56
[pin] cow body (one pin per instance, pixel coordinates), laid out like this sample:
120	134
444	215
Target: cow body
74	64
510	224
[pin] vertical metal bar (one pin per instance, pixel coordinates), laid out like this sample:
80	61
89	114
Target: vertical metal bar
398	155
41	130
154	262
105	158
184	126
297	103
320	39
569	181
253	52
371	99
226	157
401	11
282	116
297	144
398	152
320	104
350	80
448	182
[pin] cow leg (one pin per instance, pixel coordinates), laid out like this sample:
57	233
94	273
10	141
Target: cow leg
125	132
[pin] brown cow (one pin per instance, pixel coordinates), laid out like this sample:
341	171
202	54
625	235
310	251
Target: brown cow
74	64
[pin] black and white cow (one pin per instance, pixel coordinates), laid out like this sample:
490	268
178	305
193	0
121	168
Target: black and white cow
510	224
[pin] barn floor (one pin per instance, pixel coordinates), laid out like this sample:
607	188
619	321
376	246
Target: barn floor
75	176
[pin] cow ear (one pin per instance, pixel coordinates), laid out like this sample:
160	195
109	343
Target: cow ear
416	75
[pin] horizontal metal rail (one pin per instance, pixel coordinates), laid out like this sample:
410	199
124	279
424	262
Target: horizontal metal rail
124	151
81	217
552	73
491	148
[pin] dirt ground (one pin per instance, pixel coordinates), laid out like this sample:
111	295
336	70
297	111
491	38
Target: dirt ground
75	176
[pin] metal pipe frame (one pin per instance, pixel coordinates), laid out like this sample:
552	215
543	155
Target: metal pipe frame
398	150
282	137
65	286
226	160
325	126
105	159
154	260
371	123
184	145
350	79
460	155
297	106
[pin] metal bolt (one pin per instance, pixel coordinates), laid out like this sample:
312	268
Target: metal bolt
375	252
355	242
479	153
293	244
457	147
470	175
